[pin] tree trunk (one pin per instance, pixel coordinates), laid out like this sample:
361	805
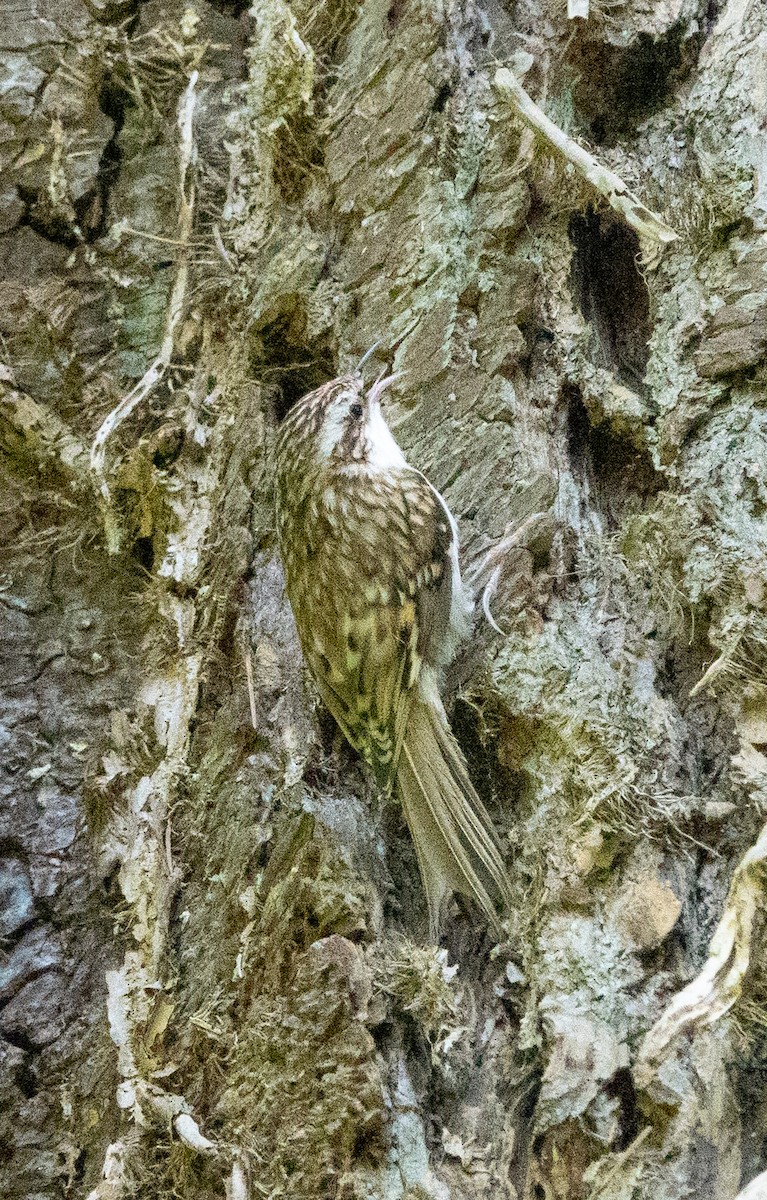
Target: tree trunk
216	975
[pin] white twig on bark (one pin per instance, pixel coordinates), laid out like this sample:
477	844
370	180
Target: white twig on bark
247	656
112	1185
654	233
139	834
756	1189
717	667
237	1183
189	1131
714	991
187	161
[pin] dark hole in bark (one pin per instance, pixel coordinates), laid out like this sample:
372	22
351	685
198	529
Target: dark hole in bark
405	901
684	660
38	217
109	882
610	292
26	1080
92	207
620	475
168	447
369	1142
620	467
442	97
231	8
620	87
289	364
578	425
143	552
394	14
79	1166
753	497
25	1076
621	1087
114	102
712	15
487	775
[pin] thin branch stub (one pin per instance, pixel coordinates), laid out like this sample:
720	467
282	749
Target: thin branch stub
187	158
714	991
654	234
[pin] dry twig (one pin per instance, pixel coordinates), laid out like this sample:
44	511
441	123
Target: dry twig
653	233
187	160
714	991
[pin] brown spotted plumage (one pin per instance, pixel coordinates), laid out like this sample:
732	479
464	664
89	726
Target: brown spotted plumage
371	564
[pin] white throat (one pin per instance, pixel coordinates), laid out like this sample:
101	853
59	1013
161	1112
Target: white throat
384	451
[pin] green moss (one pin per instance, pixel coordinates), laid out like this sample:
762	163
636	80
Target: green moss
420	982
303	1090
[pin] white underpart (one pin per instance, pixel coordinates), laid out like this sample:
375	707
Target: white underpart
384	452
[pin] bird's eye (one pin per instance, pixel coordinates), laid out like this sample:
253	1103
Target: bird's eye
356	410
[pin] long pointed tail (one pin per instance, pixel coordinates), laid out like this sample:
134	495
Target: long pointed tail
455	842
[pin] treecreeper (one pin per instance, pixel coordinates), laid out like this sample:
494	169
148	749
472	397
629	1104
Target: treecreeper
370	551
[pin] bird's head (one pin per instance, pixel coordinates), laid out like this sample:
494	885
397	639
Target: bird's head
341	425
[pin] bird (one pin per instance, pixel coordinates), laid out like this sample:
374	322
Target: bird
370	555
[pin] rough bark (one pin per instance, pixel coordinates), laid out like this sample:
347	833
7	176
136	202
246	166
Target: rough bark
215	975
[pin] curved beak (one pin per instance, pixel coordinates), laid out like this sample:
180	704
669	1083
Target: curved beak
366	356
382	383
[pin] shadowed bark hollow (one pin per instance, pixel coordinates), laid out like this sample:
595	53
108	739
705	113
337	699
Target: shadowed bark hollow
215	979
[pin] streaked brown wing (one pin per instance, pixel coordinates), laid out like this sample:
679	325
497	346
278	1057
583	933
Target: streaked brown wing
376	600
432	536
364	682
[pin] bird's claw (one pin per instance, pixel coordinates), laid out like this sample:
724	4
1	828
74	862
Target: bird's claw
491	566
